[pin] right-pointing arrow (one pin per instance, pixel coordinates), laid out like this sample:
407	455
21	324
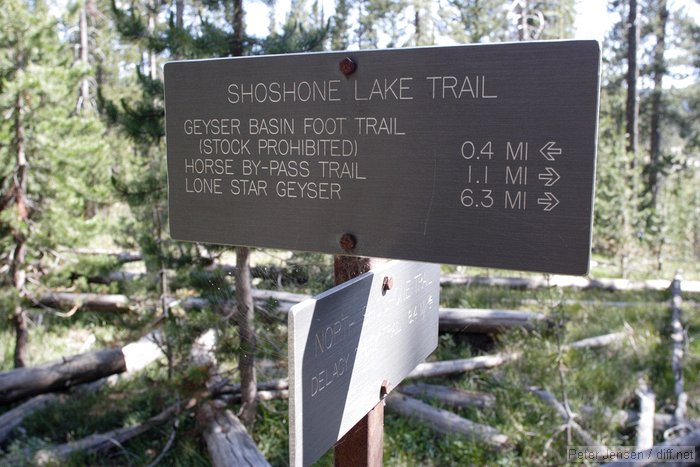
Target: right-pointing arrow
549	201
549	150
550	176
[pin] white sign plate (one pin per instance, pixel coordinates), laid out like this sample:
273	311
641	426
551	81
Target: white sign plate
344	343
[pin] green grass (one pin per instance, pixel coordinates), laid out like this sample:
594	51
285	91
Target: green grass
604	378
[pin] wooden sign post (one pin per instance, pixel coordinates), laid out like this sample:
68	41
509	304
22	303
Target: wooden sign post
363	445
345	345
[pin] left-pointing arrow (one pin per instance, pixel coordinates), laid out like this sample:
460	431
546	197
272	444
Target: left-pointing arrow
550	176
549	201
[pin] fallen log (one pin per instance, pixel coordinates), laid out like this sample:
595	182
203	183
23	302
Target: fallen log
647	409
448	367
77	369
630	418
444	421
450	396
228	442
115	276
597	341
282	301
486	321
105	441
659	451
274	385
82	368
95	302
122	256
565	281
14	418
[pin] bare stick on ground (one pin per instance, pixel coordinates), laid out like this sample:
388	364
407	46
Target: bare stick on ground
581	434
104	441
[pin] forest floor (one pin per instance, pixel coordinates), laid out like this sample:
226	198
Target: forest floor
596	382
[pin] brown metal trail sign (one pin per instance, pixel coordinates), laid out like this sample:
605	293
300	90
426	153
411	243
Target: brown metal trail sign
481	155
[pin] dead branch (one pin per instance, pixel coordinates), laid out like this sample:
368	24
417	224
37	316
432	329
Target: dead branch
550	400
105	441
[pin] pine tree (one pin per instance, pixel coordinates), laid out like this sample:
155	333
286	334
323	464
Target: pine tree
472	21
55	158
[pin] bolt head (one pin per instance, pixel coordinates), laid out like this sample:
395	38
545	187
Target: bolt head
387	283
348	242
347	66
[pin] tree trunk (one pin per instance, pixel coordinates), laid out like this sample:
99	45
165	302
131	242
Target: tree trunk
245	317
17	266
678	339
238	36
152	56
444	421
179	13
632	104
84	97
659	70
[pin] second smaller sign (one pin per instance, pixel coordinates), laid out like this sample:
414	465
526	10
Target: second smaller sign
344	343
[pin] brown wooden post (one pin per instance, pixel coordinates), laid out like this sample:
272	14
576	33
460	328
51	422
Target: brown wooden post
363	445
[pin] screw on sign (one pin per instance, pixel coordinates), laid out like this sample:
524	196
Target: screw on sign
348	66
